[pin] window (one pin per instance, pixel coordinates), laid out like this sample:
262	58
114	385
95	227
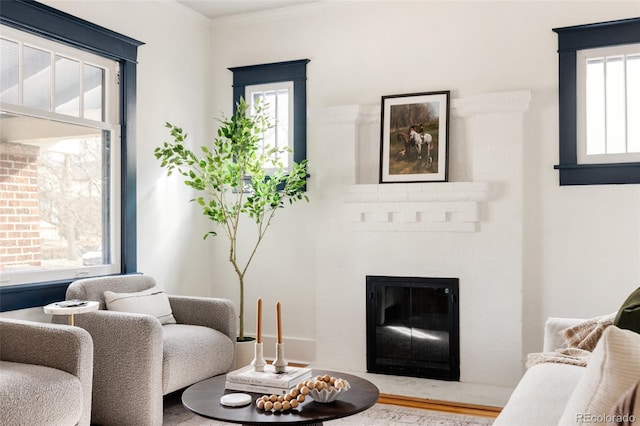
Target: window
599	100
67	87
609	104
283	86
60	162
278	98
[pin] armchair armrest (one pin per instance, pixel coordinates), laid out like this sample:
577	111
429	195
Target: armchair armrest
552	328
127	365
219	314
58	346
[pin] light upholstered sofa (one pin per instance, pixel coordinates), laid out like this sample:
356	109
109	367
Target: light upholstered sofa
603	392
138	359
45	374
544	390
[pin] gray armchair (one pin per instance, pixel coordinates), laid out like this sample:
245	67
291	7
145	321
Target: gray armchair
137	360
45	374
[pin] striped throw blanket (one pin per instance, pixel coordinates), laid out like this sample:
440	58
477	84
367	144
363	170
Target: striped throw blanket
580	339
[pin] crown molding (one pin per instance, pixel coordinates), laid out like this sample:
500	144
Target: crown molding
305	9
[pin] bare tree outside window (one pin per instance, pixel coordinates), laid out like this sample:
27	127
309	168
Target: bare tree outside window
70	195
54	195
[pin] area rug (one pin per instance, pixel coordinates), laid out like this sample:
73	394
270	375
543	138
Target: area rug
378	415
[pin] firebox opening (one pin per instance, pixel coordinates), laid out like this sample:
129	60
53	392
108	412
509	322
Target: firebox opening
413	327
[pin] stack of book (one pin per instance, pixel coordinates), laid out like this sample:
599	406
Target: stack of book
268	382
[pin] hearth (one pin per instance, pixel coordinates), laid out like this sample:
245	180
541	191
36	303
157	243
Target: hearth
413	327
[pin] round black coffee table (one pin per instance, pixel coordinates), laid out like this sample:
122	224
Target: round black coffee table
203	398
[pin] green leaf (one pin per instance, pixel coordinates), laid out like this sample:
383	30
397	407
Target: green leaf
229	178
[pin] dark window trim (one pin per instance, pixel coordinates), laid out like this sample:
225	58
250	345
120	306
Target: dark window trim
53	24
570	40
295	71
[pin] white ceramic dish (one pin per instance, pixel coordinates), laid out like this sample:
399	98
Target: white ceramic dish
326	396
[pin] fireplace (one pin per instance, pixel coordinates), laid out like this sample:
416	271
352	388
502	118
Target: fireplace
413	327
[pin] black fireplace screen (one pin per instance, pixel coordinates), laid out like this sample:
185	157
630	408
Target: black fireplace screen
413	327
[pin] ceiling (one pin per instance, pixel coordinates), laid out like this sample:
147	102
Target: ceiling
220	8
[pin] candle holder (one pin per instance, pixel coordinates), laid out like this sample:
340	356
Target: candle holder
258	359
280	363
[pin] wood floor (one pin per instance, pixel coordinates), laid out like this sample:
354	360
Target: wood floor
444	406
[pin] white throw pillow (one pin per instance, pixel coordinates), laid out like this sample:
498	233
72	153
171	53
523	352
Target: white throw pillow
614	366
153	301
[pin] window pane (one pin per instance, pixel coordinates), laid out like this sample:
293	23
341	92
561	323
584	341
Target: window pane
269	137
595	107
277	100
37	78
56	193
633	103
616	117
67	98
268	101
93	93
9	71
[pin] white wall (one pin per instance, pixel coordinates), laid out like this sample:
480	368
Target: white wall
580	245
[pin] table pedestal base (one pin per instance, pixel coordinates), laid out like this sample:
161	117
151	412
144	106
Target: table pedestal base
308	424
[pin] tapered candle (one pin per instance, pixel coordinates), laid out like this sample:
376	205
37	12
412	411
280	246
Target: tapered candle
259	329
279	322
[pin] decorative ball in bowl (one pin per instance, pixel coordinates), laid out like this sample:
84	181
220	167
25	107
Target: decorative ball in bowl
327	389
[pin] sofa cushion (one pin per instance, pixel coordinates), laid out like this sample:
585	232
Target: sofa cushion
183	362
541	395
628	316
153	301
37	395
613	368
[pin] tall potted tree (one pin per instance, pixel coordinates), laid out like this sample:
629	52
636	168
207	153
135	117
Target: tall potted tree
231	181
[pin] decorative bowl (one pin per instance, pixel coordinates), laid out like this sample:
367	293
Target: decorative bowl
326	395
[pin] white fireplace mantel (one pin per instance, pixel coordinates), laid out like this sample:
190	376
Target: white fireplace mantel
415	207
478	155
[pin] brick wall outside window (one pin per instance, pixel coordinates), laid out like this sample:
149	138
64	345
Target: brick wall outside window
19	211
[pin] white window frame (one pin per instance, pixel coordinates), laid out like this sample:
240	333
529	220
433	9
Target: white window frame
582	56
110	123
278	86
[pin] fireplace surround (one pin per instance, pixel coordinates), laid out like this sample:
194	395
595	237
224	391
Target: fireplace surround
413	327
469	228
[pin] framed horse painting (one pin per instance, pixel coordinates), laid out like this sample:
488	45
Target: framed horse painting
414	141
